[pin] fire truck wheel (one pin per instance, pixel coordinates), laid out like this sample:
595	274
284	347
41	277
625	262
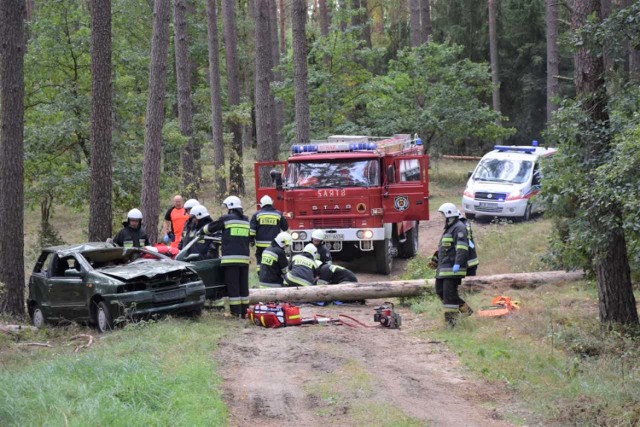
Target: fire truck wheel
384	256
409	248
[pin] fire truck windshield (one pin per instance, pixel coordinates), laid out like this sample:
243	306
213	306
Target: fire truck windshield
352	173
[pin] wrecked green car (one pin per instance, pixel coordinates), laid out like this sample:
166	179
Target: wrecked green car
99	283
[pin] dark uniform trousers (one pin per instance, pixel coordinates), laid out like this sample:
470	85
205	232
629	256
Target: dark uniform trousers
236	277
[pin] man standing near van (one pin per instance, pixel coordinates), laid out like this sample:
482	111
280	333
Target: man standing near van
453	257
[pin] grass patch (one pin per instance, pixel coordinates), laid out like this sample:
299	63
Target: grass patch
552	354
140	375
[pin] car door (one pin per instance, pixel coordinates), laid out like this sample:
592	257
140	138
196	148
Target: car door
38	288
210	272
67	294
264	183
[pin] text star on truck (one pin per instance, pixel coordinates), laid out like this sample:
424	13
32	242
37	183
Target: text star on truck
367	194
504	182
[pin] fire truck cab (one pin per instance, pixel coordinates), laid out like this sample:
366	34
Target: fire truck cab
367	194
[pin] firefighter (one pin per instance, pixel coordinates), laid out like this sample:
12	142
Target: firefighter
234	261
302	269
189	231
472	263
333	274
265	226
317	238
132	234
205	247
275	261
453	256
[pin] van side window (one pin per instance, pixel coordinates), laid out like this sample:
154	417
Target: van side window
536	175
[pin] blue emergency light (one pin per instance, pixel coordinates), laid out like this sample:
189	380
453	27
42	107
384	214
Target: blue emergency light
503	148
418	141
306	148
333	147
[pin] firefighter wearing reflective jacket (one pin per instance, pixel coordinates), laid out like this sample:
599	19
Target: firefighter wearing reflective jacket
275	261
332	274
302	269
473	262
132	234
453	256
204	247
235	253
265	226
317	238
189	230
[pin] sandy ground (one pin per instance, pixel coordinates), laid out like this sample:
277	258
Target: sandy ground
331	375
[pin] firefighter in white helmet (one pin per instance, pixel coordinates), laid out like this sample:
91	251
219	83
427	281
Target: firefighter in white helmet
234	226
303	270
275	261
132	234
317	238
189	231
453	256
265	225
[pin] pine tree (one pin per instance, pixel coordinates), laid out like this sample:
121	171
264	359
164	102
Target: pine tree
100	214
298	25
553	58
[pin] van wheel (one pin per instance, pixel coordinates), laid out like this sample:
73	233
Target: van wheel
409	248
104	321
527	213
470	215
384	256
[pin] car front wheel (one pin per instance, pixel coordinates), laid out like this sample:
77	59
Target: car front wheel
104	321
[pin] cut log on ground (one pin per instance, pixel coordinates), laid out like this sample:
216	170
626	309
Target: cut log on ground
407	288
452	157
16	328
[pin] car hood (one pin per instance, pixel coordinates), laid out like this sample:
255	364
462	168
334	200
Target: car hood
143	269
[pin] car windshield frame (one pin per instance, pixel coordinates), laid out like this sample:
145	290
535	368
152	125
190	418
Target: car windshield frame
340	173
116	257
511	171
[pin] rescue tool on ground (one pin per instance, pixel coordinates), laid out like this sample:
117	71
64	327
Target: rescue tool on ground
367	194
387	316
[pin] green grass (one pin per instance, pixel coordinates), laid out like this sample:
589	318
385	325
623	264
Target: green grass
147	374
552	354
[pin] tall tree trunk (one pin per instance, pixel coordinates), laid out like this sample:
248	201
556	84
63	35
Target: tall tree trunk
617	303
360	18
185	114
553	58
220	182
283	28
263	104
414	23
278	110
12	48
301	91
233	93
100	214
323	11
633	60
425	20
493	54
155	117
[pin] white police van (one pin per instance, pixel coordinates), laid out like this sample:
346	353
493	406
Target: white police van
504	182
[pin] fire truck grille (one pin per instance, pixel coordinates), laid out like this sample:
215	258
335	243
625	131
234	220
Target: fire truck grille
325	212
334	223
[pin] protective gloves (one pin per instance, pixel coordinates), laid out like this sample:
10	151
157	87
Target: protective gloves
471	245
165	239
456	268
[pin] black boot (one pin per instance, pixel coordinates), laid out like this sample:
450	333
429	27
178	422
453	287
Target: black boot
451	318
465	310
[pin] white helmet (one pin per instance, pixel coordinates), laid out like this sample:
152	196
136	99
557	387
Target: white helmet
317	234
191	203
284	239
134	214
449	210
232	202
311	249
266	200
199	212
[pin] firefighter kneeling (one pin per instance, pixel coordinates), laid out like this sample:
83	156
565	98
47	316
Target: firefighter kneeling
453	256
274	261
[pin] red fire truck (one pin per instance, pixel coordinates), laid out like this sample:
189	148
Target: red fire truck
367	194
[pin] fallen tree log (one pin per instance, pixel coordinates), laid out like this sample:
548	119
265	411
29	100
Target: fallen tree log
406	288
454	157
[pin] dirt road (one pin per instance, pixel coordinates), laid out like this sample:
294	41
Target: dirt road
342	376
